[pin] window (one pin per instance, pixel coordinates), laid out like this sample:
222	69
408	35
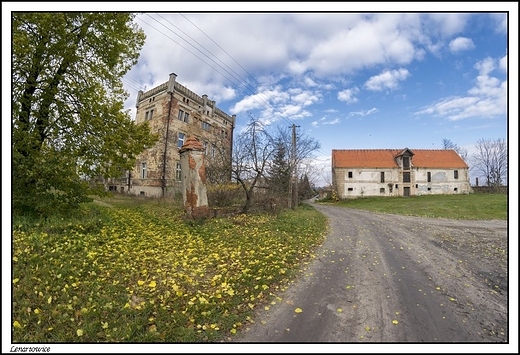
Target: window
148	115
205	148
382	176
213	150
350	189
396	186
416	186
382	190
455	189
455	174
406	177
206	126
429	176
178	170
180	140
406	162
143	170
183	116
429	188
141	193
350	174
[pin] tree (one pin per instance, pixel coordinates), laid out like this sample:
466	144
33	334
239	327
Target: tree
448	144
251	153
491	161
305	190
304	148
68	120
278	174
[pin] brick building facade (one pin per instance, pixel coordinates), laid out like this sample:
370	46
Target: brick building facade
174	113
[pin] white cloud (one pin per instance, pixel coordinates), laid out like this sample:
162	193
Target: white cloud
503	63
348	95
325	121
387	79
487	99
363	113
500	20
460	44
331	110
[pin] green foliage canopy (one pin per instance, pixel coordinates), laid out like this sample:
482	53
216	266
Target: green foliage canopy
69	126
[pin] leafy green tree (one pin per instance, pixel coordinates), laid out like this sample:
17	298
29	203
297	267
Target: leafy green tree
69	127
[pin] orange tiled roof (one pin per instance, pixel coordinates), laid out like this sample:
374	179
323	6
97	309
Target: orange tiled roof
385	158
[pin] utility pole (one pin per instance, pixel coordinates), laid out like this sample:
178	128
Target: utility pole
293	187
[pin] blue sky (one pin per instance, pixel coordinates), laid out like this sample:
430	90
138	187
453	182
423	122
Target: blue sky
408	76
349	80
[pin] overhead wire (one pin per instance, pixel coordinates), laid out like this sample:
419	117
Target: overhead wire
240	79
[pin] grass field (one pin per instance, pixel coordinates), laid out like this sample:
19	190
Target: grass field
472	206
127	270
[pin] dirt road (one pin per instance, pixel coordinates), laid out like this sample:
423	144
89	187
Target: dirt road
389	278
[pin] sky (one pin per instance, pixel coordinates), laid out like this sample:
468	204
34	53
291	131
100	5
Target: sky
348	80
408	76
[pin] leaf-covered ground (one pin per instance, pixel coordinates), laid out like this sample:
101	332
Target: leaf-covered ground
147	275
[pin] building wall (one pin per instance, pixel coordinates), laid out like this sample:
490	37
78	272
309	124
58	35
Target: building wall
367	182
174	113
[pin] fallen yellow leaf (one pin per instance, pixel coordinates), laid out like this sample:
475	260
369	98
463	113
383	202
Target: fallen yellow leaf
298	310
395	321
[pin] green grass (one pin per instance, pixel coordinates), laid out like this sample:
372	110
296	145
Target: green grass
469	207
134	270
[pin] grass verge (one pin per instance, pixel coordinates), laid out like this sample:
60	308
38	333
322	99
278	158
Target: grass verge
469	207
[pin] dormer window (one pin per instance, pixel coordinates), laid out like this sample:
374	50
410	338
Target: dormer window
406	162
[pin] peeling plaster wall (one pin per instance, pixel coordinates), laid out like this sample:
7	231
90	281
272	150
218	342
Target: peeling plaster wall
367	182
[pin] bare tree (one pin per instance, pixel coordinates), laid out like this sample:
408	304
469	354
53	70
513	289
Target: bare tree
448	144
491	161
218	163
251	153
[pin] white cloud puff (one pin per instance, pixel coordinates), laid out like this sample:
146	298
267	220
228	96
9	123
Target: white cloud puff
460	44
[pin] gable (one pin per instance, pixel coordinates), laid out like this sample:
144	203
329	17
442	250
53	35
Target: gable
385	158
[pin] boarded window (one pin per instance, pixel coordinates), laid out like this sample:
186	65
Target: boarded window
143	170
406	162
382	190
178	172
406	177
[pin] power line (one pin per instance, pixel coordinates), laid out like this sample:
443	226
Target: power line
230	56
240	80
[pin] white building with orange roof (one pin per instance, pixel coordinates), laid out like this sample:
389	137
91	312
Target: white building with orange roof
398	172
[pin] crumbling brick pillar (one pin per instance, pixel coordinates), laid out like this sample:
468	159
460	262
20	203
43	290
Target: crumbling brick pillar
193	172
